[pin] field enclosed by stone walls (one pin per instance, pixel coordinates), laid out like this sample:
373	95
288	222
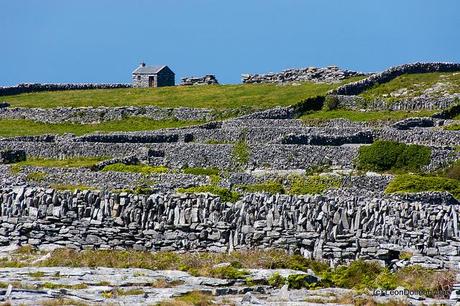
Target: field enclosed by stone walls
311	179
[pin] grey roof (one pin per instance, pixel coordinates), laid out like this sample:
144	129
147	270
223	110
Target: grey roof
148	69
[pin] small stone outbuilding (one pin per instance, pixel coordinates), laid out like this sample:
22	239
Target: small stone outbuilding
153	76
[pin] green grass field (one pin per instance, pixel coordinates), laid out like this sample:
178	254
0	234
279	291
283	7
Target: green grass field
415	85
21	127
363	116
217	97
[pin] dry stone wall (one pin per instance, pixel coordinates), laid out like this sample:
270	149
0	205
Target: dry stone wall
35	87
340	225
86	115
416	103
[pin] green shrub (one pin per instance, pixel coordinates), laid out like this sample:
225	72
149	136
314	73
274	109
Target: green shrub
276	280
313	184
416	183
413	158
225	194
391	155
202	171
358	275
331	103
272	187
299	281
241	152
143	169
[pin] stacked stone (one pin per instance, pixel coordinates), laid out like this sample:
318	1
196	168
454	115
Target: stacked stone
424	102
331	74
35	87
86	115
208	79
339	225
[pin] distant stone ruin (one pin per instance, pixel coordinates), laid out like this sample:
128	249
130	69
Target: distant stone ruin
330	74
208	79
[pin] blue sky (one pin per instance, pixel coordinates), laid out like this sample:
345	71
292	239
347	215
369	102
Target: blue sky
104	40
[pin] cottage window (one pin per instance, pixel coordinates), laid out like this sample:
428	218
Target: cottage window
138	77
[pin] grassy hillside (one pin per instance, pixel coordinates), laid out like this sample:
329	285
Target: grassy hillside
413	85
258	96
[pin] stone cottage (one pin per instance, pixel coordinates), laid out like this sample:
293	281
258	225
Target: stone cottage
153	76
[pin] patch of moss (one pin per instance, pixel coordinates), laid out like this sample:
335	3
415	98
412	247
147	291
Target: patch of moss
313	184
226	195
36	176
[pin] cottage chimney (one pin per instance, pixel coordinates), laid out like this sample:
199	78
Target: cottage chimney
143	64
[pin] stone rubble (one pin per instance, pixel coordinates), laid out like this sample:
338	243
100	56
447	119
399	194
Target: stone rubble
208	79
331	74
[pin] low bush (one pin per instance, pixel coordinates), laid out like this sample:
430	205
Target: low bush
416	183
330	103
276	280
226	195
394	156
359	274
313	184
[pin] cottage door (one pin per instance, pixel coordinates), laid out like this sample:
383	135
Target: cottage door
151	81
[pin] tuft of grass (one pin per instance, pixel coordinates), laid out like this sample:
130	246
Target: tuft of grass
201	171
416	183
226	195
23	127
49	285
37	274
122	292
26	250
313	184
37	176
74	162
229	272
163	283
61	302
143	169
